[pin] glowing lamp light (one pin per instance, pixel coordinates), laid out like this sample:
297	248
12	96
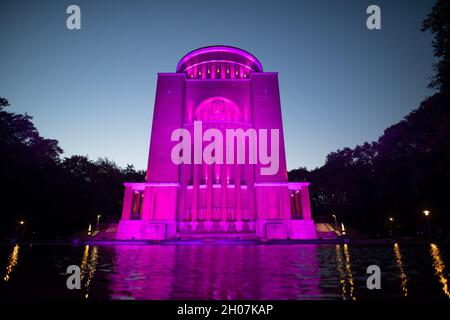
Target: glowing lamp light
391	219
89	229
343	229
426	213
21	222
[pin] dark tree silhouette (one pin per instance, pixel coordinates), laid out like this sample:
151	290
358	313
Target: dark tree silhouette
406	171
54	196
438	23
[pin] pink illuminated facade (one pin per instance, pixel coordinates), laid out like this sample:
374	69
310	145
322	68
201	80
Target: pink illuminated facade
224	88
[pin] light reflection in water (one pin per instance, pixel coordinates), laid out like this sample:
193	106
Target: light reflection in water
88	266
403	277
12	262
349	271
224	271
439	268
84	261
242	272
341	272
345	273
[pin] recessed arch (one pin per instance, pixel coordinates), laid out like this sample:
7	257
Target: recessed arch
218	109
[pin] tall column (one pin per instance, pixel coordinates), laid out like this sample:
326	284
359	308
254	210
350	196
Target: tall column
298	203
127	203
209	190
251	194
147	205
185	175
224	190
306	205
293	203
195	194
237	194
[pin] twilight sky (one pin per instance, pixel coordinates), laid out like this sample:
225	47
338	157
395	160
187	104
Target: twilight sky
93	89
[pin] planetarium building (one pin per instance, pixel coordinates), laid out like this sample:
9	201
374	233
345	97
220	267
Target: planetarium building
241	190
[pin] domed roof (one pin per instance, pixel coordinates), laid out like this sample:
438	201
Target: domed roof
220	54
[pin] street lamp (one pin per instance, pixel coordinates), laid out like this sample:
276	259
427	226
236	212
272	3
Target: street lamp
427	214
98	220
22	227
391	224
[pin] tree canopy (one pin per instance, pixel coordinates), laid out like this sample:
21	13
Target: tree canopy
55	196
438	23
403	173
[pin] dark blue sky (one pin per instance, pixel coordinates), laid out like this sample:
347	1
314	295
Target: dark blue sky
93	90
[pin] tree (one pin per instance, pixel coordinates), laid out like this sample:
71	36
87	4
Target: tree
438	23
3	103
55	196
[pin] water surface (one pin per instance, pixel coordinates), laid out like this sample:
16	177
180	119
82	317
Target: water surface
224	271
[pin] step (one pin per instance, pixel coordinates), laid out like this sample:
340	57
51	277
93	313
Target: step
217	235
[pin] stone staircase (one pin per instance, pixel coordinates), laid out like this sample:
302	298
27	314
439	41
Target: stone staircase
242	235
106	232
326	231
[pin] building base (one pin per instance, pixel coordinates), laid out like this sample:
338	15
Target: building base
146	230
286	229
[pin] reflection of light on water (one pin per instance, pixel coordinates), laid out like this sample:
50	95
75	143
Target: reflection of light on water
439	268
349	271
345	275
84	261
88	266
403	277
12	262
92	265
341	272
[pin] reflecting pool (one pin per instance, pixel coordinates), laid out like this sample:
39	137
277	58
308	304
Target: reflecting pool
225	271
